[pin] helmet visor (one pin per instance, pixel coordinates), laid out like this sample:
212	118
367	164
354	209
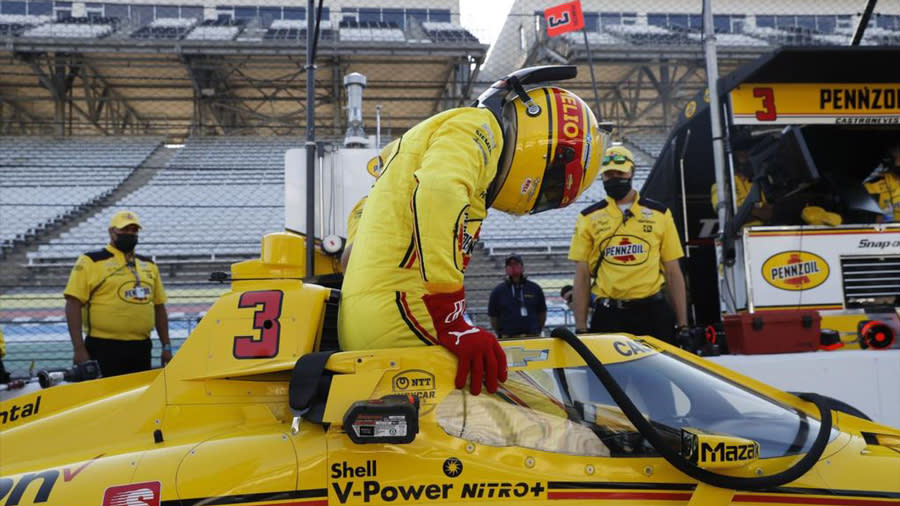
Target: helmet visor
562	180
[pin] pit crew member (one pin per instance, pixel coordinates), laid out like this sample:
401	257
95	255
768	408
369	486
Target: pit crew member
626	250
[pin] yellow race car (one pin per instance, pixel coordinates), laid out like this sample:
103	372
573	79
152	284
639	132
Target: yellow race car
249	412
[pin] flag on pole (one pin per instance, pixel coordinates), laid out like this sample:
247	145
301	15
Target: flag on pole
564	18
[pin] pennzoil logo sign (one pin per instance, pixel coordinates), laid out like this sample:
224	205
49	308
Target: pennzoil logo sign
795	270
626	250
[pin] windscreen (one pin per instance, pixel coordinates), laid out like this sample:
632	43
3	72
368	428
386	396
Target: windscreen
567	410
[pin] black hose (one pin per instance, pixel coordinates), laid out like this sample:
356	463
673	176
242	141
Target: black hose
677	461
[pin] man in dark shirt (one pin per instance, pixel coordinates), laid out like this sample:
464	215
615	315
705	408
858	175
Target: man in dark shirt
517	306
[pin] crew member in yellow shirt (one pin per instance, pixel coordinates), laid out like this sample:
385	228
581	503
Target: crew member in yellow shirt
626	251
520	151
884	185
762	210
116	297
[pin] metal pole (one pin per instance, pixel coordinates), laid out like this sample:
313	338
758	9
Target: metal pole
863	23
593	79
310	141
715	111
378	128
684	211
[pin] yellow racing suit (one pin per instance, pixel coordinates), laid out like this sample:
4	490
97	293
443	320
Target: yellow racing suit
421	222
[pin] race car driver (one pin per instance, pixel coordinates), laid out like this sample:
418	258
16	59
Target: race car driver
517	151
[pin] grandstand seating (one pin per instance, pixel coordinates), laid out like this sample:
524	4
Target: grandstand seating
16	24
165	28
370	31
216	198
594	38
730	39
836	39
43	180
648	141
880	36
295	29
447	32
646	34
784	37
76	28
216	29
286	29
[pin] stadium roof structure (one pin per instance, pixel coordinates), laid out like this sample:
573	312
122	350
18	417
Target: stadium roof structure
648	55
177	88
638	85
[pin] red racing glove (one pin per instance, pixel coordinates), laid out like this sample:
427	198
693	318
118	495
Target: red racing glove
477	349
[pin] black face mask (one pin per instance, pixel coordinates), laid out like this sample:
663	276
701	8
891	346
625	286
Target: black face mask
617	188
125	242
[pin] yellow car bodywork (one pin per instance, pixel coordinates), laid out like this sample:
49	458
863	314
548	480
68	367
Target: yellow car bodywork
215	426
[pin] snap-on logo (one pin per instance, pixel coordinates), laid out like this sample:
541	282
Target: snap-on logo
133	494
795	270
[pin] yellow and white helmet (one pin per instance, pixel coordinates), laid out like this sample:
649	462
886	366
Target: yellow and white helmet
552	143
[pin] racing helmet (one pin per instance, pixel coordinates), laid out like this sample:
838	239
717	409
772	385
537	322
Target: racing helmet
552	143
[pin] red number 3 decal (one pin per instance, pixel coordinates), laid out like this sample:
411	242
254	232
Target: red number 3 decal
265	319
768	95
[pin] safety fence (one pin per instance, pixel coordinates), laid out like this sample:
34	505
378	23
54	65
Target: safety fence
184	114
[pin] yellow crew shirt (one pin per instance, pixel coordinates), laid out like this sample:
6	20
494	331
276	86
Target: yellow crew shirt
118	298
887	190
633	250
741	189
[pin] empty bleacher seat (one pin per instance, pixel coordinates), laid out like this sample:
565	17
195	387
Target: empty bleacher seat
43	180
731	39
594	38
647	34
217	197
12	25
378	31
648	141
78	28
165	28
448	32
295	29
217	29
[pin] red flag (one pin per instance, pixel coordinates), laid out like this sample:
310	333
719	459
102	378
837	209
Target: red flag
564	18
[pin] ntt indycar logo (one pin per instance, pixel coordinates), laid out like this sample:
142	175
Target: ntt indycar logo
795	270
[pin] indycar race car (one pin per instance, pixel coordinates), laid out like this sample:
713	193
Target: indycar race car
251	412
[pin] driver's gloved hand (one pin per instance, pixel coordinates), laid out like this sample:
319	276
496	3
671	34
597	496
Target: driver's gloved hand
477	349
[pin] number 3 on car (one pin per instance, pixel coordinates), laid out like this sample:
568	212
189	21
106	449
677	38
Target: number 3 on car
768	112
265	319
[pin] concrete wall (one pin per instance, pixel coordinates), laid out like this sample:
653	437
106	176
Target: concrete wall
867	380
